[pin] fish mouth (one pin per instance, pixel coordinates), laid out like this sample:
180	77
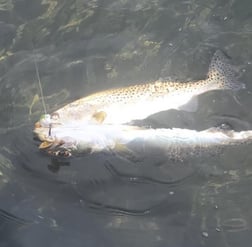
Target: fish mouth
42	135
46	143
49	144
40	132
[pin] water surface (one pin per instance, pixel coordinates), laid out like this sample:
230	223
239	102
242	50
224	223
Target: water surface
102	199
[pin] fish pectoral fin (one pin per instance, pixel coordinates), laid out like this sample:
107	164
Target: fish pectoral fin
100	116
124	152
191	106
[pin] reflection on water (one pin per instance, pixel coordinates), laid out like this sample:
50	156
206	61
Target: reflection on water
104	199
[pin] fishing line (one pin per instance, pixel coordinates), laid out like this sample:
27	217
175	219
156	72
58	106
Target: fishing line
39	82
50	130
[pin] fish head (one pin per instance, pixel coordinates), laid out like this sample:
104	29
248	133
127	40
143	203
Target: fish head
72	137
42	130
47	120
56	119
50	143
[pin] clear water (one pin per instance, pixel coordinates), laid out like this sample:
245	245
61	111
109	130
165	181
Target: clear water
102	199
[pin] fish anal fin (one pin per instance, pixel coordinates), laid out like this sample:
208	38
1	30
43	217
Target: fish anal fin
99	116
191	106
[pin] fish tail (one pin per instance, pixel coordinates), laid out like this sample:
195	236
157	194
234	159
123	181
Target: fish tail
222	74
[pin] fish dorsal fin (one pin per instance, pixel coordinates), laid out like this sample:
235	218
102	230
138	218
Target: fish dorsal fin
99	116
222	73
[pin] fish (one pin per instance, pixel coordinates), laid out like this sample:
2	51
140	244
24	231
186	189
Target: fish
137	102
72	140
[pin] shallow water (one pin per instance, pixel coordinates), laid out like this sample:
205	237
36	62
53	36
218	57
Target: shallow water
104	199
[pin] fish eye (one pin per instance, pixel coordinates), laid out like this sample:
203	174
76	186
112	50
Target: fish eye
55	116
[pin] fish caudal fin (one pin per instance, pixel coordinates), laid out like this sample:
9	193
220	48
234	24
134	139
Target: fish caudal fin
221	73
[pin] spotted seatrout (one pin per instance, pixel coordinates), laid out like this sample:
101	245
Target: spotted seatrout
122	105
69	140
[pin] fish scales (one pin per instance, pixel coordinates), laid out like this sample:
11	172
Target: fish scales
123	105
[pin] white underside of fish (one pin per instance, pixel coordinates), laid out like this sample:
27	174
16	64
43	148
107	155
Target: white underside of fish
97	138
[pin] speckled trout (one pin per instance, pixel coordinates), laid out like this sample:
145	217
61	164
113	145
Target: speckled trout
122	105
70	140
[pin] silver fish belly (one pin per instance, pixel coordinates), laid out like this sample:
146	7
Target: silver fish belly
98	138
